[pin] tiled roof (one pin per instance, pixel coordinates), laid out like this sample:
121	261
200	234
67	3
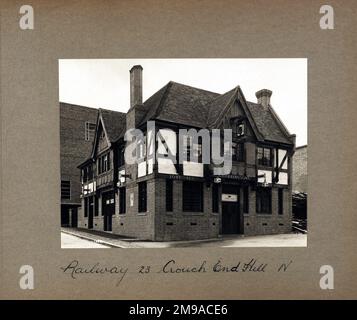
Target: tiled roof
195	107
114	123
267	124
179	103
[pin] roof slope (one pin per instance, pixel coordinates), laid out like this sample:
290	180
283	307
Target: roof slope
195	107
114	123
180	104
267	124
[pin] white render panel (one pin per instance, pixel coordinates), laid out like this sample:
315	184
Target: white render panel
192	169
170	138
142	169
283	178
166	166
281	155
267	175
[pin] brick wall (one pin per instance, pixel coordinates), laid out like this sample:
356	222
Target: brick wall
259	224
179	225
73	147
300	169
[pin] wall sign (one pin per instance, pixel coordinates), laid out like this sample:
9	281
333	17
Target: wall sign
229	197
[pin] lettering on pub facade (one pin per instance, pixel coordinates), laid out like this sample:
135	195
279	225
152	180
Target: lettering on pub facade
161	199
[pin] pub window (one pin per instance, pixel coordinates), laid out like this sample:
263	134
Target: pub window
238	151
84	174
169	195
263	196
65	189
85	207
108	161
264	156
105	163
240	129
246	199
91	206
89	131
142	196
99	165
187	144
280	201
121	156
96	212
215	198
89	172
192	196
122	200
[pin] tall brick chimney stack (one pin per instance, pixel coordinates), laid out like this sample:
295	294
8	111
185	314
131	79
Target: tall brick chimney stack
137	110
263	97
136	85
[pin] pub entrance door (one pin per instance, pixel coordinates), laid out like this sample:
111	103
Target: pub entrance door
108	209
230	210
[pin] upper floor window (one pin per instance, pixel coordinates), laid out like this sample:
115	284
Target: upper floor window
240	129
89	131
238	151
264	156
192	149
104	163
121	156
65	189
87	173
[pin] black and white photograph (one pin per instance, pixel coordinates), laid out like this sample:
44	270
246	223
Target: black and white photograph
246	189
210	144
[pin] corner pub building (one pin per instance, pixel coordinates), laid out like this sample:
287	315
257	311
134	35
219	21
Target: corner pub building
163	201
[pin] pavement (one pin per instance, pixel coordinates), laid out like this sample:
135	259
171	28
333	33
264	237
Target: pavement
83	238
72	242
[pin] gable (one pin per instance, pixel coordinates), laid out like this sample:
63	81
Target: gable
101	141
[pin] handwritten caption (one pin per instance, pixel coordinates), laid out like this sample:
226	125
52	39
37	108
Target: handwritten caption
75	269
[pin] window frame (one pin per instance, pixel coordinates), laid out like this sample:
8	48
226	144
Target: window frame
215	198
88	130
280	201
261	205
169	195
194	188
261	161
122	200
69	190
142	197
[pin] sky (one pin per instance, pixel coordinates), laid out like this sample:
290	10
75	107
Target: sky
104	83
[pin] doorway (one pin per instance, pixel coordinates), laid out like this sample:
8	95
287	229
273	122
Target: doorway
230	210
108	209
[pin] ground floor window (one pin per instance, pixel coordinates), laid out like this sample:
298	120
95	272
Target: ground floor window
142	197
96	211
192	193
281	201
122	200
91	206
263	196
246	199
169	195
85	207
65	189
215	198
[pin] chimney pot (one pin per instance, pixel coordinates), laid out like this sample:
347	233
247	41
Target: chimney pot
263	97
136	85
